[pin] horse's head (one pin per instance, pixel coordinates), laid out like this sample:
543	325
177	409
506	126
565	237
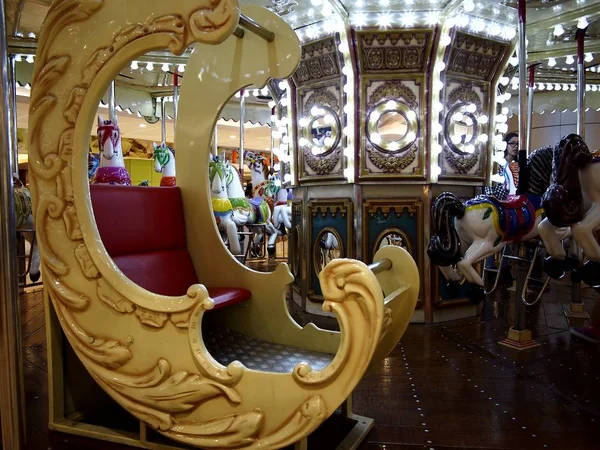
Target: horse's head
254	162
163	154
218	172
578	151
109	138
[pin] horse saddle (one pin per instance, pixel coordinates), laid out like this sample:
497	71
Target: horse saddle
259	207
514	217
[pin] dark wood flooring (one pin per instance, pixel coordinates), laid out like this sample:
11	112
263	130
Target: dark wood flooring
447	386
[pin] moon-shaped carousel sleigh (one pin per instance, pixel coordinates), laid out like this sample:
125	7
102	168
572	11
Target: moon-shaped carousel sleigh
182	336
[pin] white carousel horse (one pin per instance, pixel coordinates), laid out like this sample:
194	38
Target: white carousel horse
261	193
483	226
282	209
222	207
252	212
573	200
164	162
329	246
25	224
112	165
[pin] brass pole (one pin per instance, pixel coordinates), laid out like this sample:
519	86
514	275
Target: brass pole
256	28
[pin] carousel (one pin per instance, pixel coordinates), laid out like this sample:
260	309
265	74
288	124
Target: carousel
237	209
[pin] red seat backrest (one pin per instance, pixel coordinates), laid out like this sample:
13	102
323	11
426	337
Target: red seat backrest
143	230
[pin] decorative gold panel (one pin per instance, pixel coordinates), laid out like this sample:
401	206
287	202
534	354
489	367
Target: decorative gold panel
394	51
474	57
320	61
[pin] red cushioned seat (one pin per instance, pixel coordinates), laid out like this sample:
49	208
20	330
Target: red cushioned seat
143	230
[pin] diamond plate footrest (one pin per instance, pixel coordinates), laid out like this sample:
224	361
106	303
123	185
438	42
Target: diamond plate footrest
227	346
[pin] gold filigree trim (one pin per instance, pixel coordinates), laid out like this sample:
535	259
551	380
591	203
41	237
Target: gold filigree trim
461	164
352	292
392	163
322	165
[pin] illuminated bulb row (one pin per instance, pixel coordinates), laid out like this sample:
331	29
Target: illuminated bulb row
348	88
559	30
562	87
436	119
20	34
27	58
150	66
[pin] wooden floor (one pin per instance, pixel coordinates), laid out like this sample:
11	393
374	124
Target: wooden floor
447	386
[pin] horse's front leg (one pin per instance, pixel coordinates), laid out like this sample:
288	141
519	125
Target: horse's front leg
480	249
583	232
549	235
234	242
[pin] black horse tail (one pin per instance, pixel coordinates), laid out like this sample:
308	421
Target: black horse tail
563	201
444	246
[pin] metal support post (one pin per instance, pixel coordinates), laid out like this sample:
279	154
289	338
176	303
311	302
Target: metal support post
11	370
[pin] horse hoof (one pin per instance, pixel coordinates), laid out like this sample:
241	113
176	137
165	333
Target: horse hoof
590	273
271	250
34	277
453	289
476	294
554	268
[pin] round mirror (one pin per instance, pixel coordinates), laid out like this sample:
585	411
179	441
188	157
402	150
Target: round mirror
321	131
462	128
295	247
394	237
328	246
392	126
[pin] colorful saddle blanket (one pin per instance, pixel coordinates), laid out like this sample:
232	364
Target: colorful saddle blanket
260	210
513	218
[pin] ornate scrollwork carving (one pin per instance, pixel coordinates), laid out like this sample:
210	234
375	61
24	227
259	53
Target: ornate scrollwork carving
464	94
393	90
322	165
322	97
392	163
462	164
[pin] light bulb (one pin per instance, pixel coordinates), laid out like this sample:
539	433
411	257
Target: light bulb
551	62
134	65
570	59
437	128
411	136
470	148
271	104
283	85
150	66
513	60
438	107
376	138
468	5
303	142
165	67
391	104
483	138
29	59
558	30
411	114
445	40
287	178
582	23
440	66
181	68
483	119
471	108
504	81
588	57
436	170
457	117
439	85
436	149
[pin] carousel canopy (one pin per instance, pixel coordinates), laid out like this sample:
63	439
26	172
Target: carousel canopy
551	29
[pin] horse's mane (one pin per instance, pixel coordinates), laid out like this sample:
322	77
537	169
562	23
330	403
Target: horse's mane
540	170
563	201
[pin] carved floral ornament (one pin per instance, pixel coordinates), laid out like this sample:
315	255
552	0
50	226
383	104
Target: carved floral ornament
464	128
169	391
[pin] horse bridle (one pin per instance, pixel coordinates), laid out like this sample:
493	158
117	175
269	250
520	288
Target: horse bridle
105	132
